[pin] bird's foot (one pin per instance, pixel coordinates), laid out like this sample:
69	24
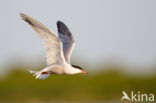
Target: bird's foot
40	74
44	73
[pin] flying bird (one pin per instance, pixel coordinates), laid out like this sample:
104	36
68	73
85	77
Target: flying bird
58	49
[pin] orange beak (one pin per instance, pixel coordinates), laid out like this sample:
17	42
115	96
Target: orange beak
83	71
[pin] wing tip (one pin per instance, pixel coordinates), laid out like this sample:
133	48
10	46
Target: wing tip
59	22
25	18
62	28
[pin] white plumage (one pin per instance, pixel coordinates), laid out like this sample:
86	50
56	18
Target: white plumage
58	49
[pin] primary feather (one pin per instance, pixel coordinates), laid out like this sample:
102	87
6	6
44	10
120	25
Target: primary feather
67	39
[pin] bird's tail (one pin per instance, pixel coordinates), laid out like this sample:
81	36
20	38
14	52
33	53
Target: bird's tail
39	74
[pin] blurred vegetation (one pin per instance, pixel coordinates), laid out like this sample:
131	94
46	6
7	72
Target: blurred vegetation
106	85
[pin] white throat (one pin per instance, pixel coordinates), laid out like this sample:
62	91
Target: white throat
72	70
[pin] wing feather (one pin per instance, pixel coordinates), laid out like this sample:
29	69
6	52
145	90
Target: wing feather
52	43
67	39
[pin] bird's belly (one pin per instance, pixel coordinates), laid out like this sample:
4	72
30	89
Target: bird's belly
56	70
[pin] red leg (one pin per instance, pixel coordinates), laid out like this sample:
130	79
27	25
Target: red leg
44	72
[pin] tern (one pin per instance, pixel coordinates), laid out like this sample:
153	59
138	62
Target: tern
58	49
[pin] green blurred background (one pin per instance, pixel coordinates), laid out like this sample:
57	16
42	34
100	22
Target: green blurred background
104	85
115	44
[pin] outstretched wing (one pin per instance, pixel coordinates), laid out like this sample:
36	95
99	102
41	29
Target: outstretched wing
52	43
67	39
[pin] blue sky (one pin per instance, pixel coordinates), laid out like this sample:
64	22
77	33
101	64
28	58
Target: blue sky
104	30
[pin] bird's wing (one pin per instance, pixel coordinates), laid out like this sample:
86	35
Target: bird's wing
67	39
52	43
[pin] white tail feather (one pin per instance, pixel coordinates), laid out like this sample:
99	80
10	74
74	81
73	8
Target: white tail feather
39	74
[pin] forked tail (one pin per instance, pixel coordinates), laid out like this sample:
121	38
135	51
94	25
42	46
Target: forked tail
39	74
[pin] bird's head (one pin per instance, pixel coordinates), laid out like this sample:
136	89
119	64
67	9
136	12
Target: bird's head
78	67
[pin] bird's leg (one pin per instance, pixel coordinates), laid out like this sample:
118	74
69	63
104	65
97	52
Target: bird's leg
44	72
